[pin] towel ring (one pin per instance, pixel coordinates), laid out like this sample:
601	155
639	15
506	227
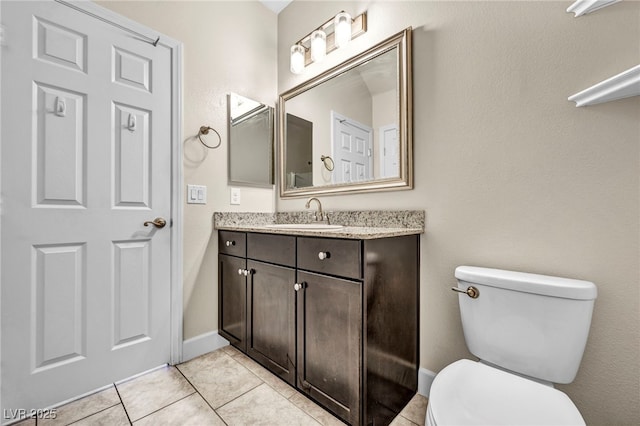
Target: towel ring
327	162
204	130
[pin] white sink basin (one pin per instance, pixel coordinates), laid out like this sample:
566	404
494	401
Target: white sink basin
305	226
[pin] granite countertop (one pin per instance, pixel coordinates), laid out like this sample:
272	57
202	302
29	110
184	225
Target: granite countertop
356	224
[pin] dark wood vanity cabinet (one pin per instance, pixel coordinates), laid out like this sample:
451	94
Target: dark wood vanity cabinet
330	343
335	318
232	288
256	284
271	304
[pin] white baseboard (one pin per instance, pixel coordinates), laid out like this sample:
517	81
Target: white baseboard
425	379
202	344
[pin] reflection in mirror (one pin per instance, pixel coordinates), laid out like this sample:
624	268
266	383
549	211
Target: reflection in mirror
250	141
299	152
358	115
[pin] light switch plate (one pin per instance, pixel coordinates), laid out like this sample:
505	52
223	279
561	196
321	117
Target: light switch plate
235	196
196	194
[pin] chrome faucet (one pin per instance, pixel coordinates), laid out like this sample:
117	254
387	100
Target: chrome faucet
318	216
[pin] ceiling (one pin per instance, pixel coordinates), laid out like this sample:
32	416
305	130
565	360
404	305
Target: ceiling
276	5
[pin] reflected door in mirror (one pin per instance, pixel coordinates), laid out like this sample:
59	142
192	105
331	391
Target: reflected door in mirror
299	150
352	150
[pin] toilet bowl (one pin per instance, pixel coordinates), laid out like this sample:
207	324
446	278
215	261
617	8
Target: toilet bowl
529	331
472	393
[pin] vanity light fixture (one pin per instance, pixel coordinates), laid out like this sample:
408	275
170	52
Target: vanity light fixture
336	32
318	45
297	58
342	25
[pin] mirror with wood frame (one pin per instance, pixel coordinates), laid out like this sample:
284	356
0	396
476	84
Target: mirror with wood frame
350	128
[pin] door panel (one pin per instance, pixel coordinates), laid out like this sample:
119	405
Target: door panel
131	292
232	293
132	148
131	69
60	172
271	331
61	45
330	343
59	315
85	286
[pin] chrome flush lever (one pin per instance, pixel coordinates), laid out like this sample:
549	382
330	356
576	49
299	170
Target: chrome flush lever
471	291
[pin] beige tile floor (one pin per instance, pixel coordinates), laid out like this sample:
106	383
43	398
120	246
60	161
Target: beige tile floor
224	387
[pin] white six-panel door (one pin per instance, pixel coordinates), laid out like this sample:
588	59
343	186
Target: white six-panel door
86	161
352	149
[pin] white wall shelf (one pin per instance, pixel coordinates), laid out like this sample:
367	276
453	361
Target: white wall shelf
623	85
582	7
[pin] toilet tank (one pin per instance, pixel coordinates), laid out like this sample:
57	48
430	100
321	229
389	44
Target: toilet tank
531	324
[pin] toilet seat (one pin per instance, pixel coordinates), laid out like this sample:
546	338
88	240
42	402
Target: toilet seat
472	393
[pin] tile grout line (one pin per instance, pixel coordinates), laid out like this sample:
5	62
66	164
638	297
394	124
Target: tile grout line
168	405
262	382
95	412
201	396
123	406
409	420
295	391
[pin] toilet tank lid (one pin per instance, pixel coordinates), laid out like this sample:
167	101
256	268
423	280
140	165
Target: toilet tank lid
529	283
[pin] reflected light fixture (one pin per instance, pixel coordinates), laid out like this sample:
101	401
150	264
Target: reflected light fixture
335	33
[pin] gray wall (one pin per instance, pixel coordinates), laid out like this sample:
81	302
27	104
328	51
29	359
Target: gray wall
510	173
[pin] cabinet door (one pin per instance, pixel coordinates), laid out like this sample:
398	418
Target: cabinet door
232	300
271	320
330	342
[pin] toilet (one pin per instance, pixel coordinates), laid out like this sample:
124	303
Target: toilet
529	331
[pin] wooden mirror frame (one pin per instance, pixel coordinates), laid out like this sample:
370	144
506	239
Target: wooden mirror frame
401	41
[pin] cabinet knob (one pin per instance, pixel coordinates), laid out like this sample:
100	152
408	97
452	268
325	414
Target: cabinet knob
240	271
324	255
297	286
229	243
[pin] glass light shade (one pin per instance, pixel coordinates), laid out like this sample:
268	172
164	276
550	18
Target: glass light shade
342	29
297	59
318	45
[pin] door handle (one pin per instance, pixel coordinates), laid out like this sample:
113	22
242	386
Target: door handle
158	222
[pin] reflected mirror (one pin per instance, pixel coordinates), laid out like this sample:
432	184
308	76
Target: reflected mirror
250	130
349	129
